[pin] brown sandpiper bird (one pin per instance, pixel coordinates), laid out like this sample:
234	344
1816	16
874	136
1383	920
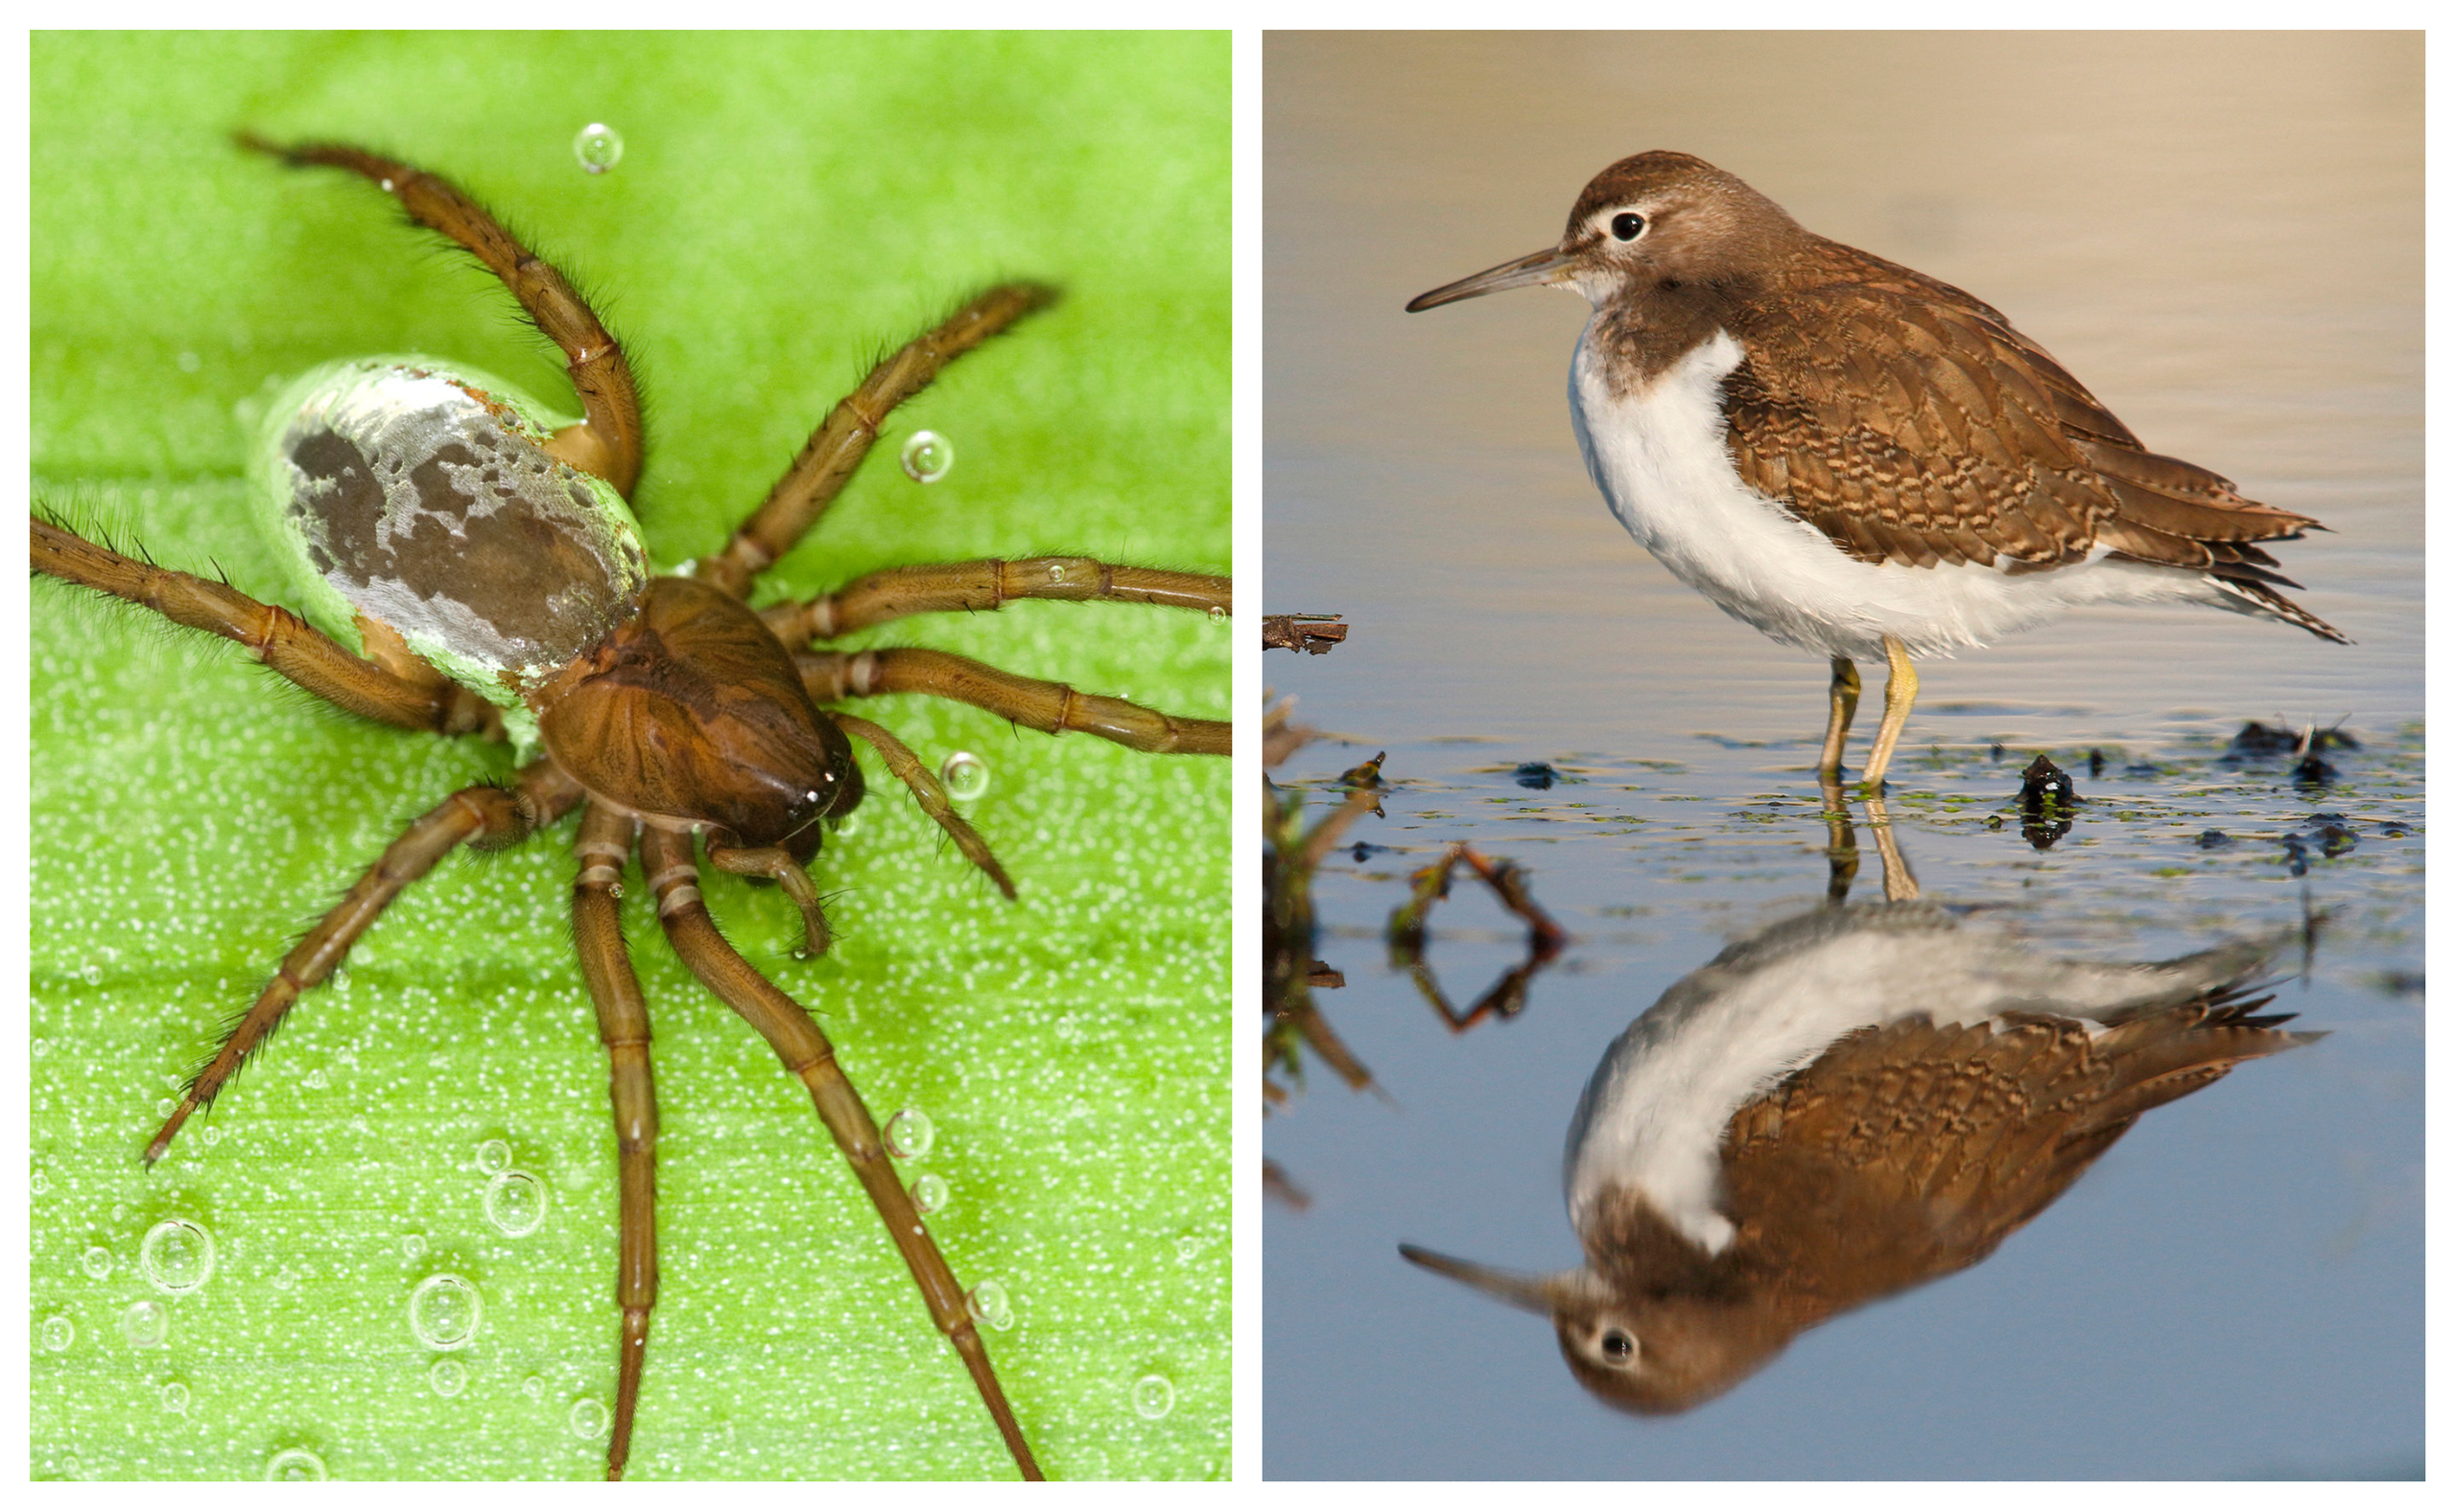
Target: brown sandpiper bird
1852	1103
1856	458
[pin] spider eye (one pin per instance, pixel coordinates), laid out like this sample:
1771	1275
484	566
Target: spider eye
1619	1347
1628	225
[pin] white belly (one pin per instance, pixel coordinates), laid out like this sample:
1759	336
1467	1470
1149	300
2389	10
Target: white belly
1660	457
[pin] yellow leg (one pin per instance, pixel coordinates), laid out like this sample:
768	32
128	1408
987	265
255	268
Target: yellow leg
1901	691
1899	886
1838	721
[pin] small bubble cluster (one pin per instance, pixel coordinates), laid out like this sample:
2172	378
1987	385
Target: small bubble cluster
966	776
598	147
176	1255
926	455
445	1311
1153	1396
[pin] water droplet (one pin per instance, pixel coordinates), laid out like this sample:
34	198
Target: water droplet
42	1047
296	1464
926	455
1154	1397
448	1377
966	776
598	147
58	1334
929	1191
164	1107
174	1396
515	1202
533	1388
98	1262
445	1309
1057	572
586	1418
909	1134
316	1078
494	1155
212	1134
1219	612
176	1255
39	1181
987	1304
1188	1246
92	975
413	1245
146	1325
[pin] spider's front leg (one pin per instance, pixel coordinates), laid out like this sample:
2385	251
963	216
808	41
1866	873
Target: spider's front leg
1050	707
673	874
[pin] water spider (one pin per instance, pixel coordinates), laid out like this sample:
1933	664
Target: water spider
478	562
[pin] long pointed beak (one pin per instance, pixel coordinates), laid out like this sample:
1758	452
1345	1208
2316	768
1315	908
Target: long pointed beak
1535	1294
1545	266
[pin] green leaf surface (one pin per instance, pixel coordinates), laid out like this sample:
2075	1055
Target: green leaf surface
786	208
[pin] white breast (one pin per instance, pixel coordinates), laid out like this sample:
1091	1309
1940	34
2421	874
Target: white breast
1660	458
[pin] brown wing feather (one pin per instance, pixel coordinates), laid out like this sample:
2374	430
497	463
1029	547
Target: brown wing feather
1911	423
1908	1151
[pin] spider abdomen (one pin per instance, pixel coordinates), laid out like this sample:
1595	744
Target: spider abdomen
421	497
691	711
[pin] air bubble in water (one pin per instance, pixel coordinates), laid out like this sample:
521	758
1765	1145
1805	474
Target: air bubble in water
174	1396
444	1311
966	776
146	1325
58	1334
586	1418
926	455
598	147
97	1261
448	1377
1153	1396
929	1191
494	1155
909	1134
1188	1246
1219	612
176	1255
515	1202
296	1464
987	1304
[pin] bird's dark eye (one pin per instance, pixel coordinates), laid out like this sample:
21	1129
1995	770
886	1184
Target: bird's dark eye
1628	225
1618	1346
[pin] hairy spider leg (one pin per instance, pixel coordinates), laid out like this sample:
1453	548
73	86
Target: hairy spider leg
272	634
483	818
828	459
602	846
1050	707
944	587
673	874
927	791
608	442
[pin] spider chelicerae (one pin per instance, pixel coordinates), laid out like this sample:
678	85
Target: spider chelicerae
465	535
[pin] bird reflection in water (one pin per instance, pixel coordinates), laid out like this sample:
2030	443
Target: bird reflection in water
1851	1103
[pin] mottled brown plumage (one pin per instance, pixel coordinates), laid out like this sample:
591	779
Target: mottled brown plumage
1904	417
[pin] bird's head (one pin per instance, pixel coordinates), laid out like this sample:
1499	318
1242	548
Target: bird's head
1649	1353
1664	219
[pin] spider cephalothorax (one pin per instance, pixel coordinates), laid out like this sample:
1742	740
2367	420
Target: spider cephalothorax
482	552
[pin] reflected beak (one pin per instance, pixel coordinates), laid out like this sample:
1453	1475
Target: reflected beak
1535	1294
1546	267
